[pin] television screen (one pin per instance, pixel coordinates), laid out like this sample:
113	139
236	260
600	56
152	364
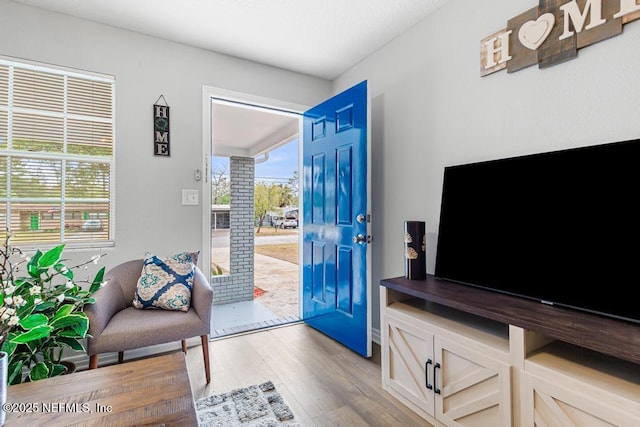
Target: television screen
561	227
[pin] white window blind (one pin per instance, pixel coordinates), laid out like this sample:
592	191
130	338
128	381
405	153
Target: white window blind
56	154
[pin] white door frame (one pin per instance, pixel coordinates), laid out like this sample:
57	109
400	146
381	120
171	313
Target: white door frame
209	93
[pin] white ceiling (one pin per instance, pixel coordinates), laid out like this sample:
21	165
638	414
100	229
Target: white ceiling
321	38
250	132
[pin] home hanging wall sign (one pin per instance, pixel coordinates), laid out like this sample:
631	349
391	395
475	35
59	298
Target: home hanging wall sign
161	128
553	32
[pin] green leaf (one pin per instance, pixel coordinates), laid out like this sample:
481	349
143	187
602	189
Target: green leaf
82	294
32	265
20	281
70	320
51	257
15	373
63	311
32	335
39	372
97	281
45	305
35	257
72	343
62	269
23	356
31	345
28	308
81	328
33	321
8	346
57	369
70	333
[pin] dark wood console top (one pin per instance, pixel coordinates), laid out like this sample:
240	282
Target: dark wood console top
610	336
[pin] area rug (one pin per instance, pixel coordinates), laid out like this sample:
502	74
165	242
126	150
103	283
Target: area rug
258	405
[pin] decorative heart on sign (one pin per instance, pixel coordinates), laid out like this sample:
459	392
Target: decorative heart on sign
533	33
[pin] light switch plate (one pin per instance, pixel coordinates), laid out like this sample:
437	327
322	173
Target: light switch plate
190	197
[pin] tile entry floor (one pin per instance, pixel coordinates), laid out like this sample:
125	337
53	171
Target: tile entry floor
245	316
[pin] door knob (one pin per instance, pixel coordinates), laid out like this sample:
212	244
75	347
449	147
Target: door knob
360	239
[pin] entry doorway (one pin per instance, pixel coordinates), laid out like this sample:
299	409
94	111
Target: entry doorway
262	134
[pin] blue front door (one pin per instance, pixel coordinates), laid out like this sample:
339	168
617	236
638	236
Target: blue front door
335	296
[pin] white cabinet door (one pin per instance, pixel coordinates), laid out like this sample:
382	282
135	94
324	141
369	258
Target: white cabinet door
472	389
545	403
444	378
406	354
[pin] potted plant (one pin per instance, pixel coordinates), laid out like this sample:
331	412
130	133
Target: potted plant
41	313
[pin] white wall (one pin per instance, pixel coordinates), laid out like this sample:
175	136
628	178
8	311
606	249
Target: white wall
149	214
431	108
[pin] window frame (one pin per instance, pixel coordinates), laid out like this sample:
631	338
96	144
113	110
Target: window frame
63	157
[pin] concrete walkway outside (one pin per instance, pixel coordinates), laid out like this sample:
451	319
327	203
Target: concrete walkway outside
278	279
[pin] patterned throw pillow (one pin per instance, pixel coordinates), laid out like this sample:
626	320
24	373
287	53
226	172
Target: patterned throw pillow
165	283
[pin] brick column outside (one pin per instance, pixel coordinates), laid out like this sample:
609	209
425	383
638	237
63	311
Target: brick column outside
238	285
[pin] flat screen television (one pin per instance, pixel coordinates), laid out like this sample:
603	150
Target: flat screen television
562	227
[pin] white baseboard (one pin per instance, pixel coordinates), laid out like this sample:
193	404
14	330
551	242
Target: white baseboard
375	336
82	360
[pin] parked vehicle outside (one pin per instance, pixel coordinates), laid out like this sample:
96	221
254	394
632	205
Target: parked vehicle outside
92	225
288	222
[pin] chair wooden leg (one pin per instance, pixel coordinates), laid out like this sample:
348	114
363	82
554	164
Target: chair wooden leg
205	354
120	357
93	361
184	346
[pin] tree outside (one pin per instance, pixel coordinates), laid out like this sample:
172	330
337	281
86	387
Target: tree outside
220	185
271	195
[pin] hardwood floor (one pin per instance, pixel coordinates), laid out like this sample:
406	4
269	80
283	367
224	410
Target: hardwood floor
324	383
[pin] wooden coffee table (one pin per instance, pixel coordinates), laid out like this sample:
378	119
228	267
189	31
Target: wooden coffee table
154	391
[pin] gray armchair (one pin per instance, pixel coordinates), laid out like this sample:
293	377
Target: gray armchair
115	325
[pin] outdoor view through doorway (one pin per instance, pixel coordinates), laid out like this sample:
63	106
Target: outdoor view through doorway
276	257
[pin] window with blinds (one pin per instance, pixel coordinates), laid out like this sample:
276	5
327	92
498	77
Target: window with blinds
56	154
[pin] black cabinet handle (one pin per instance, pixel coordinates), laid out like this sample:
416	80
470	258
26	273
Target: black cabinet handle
436	390
426	374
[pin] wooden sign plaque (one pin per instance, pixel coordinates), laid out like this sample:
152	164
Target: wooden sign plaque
553	32
161	130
